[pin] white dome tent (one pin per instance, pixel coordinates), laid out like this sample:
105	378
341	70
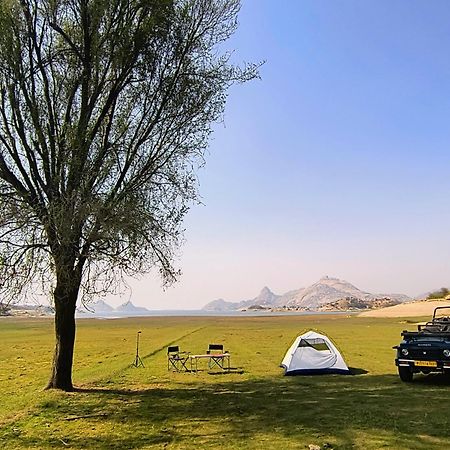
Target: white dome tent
313	353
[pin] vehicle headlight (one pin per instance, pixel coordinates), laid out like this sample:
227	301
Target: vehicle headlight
446	353
405	352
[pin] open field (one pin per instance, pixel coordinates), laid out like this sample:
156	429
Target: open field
129	408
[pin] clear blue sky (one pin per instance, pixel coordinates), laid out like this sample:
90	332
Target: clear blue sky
336	162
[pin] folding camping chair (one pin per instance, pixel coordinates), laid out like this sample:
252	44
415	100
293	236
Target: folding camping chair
218	357
177	360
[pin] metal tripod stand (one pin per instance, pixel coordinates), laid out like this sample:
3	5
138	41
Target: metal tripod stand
137	360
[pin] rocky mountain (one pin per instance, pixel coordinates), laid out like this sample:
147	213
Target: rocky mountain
100	306
324	291
221	305
102	309
128	308
265	298
329	289
288	297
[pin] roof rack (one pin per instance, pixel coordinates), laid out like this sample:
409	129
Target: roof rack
445	317
424	333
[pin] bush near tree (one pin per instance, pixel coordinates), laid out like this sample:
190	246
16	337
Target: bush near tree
441	293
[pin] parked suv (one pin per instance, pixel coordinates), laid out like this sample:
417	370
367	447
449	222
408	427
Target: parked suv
427	349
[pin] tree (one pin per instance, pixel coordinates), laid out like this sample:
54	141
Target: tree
441	293
106	109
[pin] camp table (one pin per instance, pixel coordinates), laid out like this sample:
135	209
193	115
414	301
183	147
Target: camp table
222	360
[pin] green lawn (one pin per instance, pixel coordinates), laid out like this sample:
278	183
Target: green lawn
129	408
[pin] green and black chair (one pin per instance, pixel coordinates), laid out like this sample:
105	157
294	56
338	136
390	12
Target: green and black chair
176	360
218	357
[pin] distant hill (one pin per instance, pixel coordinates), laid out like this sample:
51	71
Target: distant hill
28	310
100	306
324	291
328	290
221	305
128	308
351	303
265	298
425	295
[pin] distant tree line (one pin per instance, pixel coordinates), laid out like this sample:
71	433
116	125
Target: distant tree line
441	293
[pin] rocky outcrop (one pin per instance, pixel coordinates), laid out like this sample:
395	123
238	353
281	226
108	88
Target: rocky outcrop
100	306
129	308
352	303
265	298
221	305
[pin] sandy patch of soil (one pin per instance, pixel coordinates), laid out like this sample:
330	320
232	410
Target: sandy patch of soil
410	309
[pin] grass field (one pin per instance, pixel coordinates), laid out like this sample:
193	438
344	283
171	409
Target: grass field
122	407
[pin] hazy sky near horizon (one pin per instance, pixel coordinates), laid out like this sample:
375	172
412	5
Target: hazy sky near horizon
335	163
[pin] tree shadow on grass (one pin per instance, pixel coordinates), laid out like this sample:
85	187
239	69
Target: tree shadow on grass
277	412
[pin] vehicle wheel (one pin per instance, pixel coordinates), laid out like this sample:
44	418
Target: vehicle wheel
405	373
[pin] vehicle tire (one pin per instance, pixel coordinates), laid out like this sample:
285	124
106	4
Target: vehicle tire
405	373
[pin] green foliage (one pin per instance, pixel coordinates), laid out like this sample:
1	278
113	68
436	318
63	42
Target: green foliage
123	407
105	115
441	293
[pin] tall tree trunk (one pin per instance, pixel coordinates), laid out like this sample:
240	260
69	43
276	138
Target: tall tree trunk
65	297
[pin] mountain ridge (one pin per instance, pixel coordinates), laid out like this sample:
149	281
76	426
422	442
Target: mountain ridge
325	290
265	298
101	307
